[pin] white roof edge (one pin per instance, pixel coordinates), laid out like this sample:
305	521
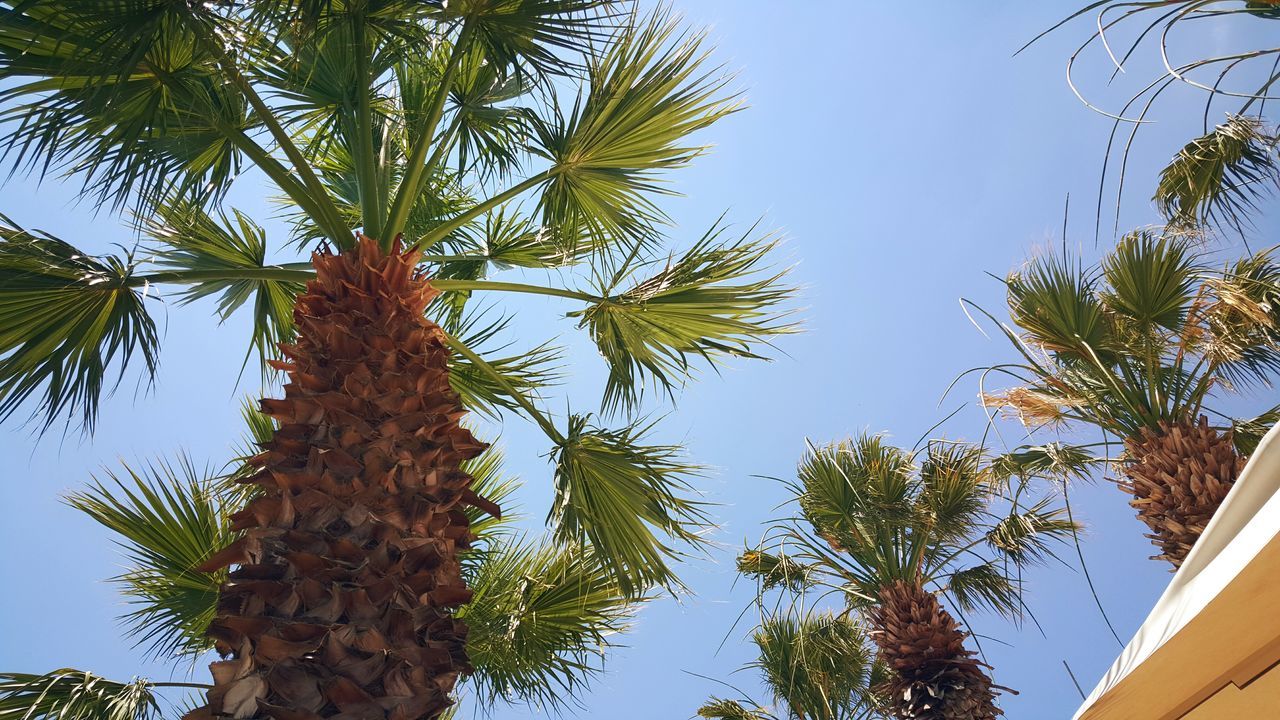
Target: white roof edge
1235	535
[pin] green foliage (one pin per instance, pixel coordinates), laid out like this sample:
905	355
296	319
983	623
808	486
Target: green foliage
646	93
1145	337
168	521
75	695
616	493
1220	175
66	321
541	620
488	389
708	303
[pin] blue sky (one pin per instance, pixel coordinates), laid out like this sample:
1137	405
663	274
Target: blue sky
905	154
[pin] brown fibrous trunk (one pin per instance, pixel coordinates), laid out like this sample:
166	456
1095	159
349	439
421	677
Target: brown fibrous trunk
1178	475
933	676
343	585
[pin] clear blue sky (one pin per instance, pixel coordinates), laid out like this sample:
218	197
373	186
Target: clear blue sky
905	154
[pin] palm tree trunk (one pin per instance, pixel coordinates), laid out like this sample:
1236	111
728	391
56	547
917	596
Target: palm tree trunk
933	676
348	574
1178	476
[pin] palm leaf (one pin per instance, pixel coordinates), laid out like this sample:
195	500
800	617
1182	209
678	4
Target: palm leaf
1026	536
1221	175
541	620
169	522
67	320
818	664
645	96
708	303
1151	279
524	372
618	495
1057	305
195	241
722	709
986	587
547	37
68	694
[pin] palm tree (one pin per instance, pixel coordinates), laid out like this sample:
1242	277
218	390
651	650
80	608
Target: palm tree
817	665
1136	346
403	136
542	615
901	537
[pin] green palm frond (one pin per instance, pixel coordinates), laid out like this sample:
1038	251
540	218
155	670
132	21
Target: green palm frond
1056	303
490	481
195	242
620	495
1026	536
646	95
775	570
547	37
1151	279
169	522
67	320
722	709
1249	432
955	487
490	125
68	694
127	95
1220	176
849	486
1053	460
710	302
818	664
541	619
524	372
985	587
1244	322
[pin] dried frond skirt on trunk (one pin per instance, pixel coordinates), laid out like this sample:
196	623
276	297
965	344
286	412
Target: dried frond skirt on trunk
933	676
1178	476
339	604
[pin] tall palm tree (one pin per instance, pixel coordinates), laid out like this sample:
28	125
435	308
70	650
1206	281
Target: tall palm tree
404	136
817	665
542	615
904	539
1137	346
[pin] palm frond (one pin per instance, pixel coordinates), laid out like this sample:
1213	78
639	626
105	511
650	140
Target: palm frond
195	241
168	522
620	495
524	372
1244	320
955	487
1249	432
1057	305
985	587
546	37
711	302
775	570
646	95
67	320
1026	536
68	694
722	709
541	619
1220	176
1151	279
490	481
818	664
128	96
847	486
1053	460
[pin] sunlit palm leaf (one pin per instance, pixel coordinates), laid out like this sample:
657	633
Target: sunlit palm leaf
1151	279
1057	305
985	587
67	320
75	695
1026	536
490	481
545	36
540	621
713	301
169	522
818	664
1221	175
646	95
722	709
775	570
620	496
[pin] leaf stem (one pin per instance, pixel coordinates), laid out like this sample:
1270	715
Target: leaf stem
442	231
454	285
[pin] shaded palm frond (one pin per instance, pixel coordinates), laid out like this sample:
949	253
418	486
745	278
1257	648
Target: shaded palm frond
524	372
1220	176
67	320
